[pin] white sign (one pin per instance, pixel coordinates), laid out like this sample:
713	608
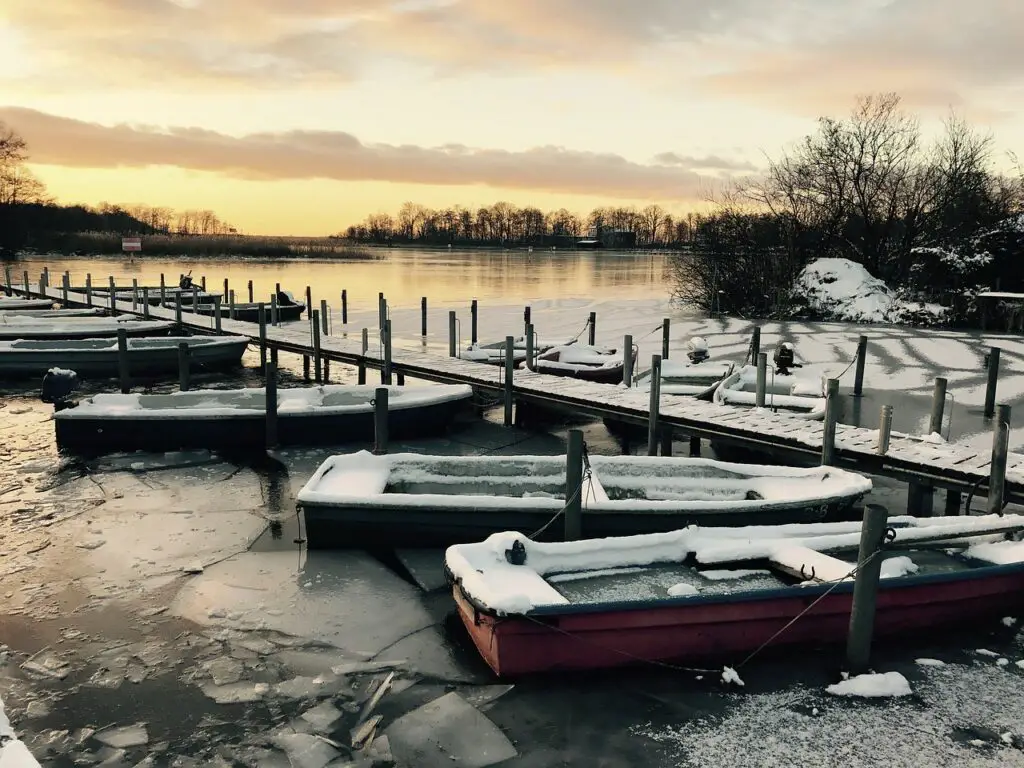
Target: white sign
131	243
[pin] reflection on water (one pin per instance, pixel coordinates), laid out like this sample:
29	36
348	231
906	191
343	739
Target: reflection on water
403	274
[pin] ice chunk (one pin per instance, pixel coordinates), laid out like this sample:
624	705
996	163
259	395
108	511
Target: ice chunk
305	750
124	737
448	731
309	687
730	675
872	686
681	590
1009	621
930	662
236	693
224	670
322	716
484	696
894	567
985	652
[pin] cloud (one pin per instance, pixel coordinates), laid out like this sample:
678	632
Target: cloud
709	162
341	156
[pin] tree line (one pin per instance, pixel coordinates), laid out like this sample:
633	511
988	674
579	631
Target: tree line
505	224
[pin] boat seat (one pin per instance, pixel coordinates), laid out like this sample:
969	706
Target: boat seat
809	565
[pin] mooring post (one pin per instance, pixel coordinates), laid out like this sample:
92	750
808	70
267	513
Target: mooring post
261	312
145	302
28	293
592	329
183	366
665	330
828	435
123	371
113	295
177	308
202	283
65	287
362	359
938	406
380	421
694	446
865	589
452	348
315	332
527	319
755	344
382	311
275	311
510	354
762	379
163	290
385	370
666	441
309	299
574	486
227	287
344	307
423	316
884	430
7	280
44	281
953	502
474	309
305	368
325	317
250	291
195	299
135	294
271	405
627	360
1000	447
993	378
217	322
531	363
862	356
232	311
655	402
88	287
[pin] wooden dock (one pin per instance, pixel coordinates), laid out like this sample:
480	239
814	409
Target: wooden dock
956	468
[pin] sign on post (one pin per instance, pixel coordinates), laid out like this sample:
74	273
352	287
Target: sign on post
131	244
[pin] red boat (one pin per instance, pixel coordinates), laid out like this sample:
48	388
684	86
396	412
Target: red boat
613	608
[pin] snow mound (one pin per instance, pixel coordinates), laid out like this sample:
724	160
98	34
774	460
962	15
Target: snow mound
871	686
840	289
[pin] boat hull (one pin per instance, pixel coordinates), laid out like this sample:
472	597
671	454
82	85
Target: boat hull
22	305
69	332
250	313
397	524
729	628
246	433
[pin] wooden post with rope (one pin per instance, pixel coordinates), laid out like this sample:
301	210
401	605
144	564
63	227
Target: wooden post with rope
574	486
865	589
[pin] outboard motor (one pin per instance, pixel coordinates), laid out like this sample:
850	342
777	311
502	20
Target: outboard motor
784	359
58	384
285	299
697	349
185	283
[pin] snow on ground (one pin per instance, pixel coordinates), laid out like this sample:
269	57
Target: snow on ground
872	686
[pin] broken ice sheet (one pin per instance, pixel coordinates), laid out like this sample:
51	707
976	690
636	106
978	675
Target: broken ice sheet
306	751
236	693
224	670
322	716
448	731
124	736
311	687
483	697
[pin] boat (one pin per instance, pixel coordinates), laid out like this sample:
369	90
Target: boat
236	419
98	357
50	314
801	393
80	327
417	500
288	309
704	594
581	361
9	303
493	352
696	376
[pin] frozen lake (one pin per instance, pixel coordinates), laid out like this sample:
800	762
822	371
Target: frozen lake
168	590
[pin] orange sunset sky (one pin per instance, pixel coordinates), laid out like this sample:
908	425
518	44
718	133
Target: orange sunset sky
303	116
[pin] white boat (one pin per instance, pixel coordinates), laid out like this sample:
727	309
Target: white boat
28	327
801	393
7	303
581	361
40	314
687	379
493	352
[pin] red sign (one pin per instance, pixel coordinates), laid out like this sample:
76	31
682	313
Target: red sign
131	243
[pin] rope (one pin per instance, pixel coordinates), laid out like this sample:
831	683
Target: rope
847	368
586	478
585	326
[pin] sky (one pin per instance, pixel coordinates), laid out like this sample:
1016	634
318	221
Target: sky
303	116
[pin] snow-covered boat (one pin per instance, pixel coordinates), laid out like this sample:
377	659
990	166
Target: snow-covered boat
50	314
493	352
800	393
236	419
700	594
79	327
98	357
11	303
581	361
416	500
287	309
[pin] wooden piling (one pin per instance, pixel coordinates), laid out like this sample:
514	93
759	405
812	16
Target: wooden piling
232	312
592	329
382	310
1000	446
993	379
953	503
828	437
665	331
227	288
28	292
865	589
527	319
135	294
145	303
344	307
195	299
380	421
7	280
65	288
938	406
452	344
574	486
123	371
183	366
510	353
362	360
423	316
884	430
666	441
250	291
202	283
113	295
474	316
627	360
531	351
177	308
385	370
261	310
88	289
655	403
325	318
762	379
217	320
315	333
694	446
755	343
275	311
163	290
862	357
271	406
309	300
305	368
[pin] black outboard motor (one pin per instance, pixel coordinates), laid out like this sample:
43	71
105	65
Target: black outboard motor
58	384
697	350
285	299
784	359
185	283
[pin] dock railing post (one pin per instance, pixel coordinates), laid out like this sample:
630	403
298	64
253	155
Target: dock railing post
145	303
183	366
828	435
452	345
627	360
993	379
884	430
261	310
271	406
250	292
574	486
1000	447
862	356
380	421
325	317
423	317
474	316
123	371
386	368
510	355
865	589
217	326
88	288
362	360
762	379
665	331
655	403
755	344
592	329
344	307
